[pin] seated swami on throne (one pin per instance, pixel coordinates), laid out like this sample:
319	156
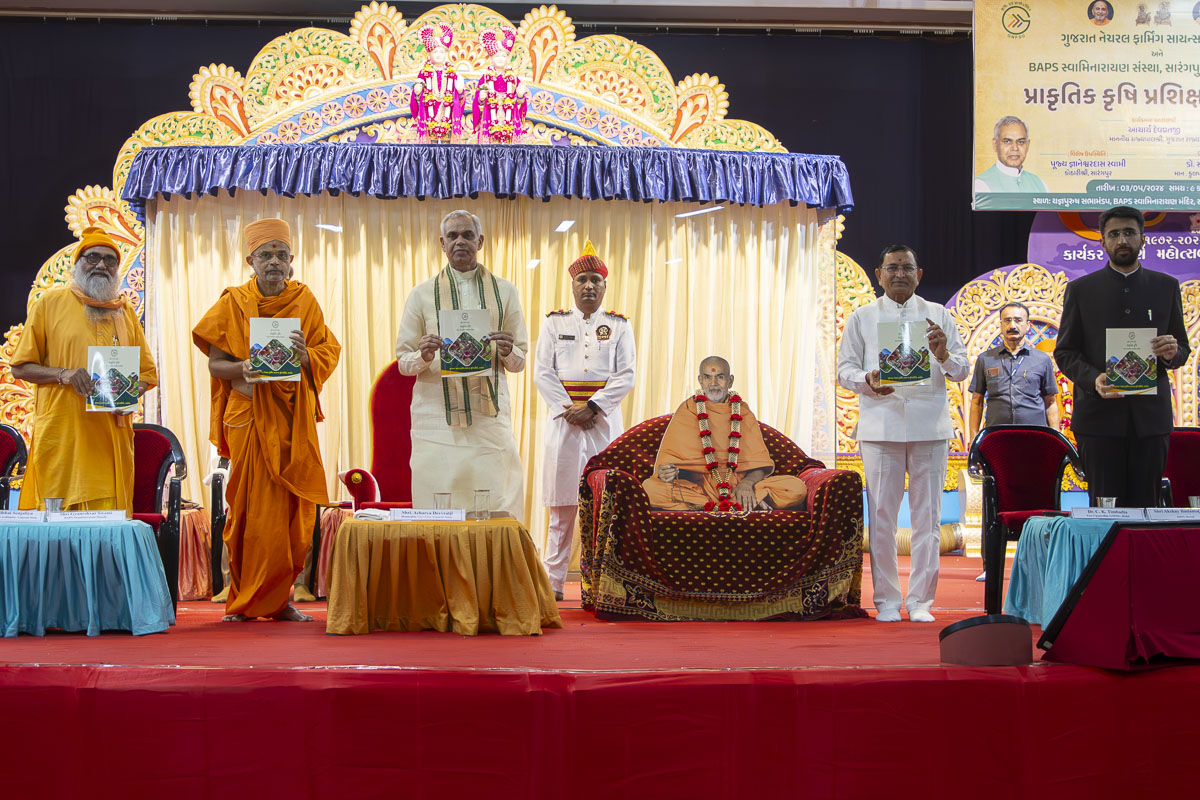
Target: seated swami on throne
713	456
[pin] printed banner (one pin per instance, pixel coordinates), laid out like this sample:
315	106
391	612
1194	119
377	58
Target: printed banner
1086	104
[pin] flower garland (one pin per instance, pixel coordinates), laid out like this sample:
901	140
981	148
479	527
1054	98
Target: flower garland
725	501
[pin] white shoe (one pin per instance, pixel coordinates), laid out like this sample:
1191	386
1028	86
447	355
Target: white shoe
887	615
917	615
982	577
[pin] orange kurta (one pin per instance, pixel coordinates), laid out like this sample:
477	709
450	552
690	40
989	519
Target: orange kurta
83	457
681	447
276	476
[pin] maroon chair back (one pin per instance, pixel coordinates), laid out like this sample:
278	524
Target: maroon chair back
152	459
1183	465
12	450
1027	462
391	435
13	454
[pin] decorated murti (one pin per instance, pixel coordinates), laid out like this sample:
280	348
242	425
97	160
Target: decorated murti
501	98
437	97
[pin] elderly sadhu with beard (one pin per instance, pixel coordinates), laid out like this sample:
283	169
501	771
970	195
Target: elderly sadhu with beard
86	459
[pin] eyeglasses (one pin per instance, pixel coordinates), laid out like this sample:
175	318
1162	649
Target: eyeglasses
1117	235
95	258
267	256
892	269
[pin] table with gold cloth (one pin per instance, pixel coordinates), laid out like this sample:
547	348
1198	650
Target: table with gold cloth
467	577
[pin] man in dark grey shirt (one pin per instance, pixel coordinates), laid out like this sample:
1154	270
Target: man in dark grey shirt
1016	379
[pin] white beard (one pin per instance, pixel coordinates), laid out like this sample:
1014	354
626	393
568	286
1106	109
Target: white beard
97	287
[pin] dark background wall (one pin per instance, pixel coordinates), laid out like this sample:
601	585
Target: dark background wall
897	110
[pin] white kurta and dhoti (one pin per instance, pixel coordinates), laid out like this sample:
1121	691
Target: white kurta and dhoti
577	360
476	448
907	431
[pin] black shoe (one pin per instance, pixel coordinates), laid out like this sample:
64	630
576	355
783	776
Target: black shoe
558	597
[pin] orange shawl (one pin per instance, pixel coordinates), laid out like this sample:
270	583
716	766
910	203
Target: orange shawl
286	413
681	441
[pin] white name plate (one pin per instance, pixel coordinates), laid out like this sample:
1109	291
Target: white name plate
30	515
1122	514
108	515
1173	514
429	514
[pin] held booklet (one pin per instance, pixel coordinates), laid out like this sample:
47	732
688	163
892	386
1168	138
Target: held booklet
117	371
1132	365
271	350
903	353
466	351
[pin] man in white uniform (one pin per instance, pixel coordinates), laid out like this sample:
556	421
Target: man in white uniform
583	369
902	429
462	436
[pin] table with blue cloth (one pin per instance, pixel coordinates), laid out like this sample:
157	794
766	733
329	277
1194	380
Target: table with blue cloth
1051	555
90	576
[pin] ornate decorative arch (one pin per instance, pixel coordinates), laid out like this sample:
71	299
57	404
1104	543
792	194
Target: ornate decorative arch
313	85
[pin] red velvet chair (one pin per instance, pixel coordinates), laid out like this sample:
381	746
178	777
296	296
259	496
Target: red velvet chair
1181	479
388	484
157	460
1021	467
13	454
675	565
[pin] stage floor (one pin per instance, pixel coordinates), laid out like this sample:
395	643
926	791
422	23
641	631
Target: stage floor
603	710
200	639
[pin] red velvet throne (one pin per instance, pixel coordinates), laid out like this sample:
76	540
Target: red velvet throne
680	565
388	484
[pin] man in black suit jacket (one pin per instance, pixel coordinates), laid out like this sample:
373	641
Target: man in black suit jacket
1122	440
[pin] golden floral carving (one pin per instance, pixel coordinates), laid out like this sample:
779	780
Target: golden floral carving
378	29
547	32
218	91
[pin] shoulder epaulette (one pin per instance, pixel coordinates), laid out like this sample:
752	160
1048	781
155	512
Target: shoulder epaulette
559	312
617	314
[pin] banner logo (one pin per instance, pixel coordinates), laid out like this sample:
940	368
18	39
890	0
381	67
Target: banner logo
1015	19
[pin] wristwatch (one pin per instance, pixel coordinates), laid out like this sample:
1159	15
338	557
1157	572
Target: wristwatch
595	408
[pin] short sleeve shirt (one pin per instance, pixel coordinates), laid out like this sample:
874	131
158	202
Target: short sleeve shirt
1014	384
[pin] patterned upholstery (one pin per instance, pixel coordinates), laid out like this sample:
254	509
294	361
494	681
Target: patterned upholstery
1022	469
677	565
1183	466
389	483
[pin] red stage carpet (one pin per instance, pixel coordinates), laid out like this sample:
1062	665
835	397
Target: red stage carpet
851	708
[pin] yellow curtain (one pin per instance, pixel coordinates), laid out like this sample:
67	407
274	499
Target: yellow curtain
754	285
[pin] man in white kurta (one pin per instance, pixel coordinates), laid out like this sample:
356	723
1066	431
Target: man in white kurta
463	440
583	368
902	429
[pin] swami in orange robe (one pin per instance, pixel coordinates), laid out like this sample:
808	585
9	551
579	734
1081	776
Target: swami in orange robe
696	485
84	458
276	477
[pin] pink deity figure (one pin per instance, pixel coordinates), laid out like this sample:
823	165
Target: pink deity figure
437	98
501	99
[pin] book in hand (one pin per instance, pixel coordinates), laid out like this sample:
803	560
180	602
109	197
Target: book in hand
116	372
1131	364
271	351
466	349
903	354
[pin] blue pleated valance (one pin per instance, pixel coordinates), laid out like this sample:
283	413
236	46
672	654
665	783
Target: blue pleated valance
440	171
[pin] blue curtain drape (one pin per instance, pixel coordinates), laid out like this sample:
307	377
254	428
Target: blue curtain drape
440	171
